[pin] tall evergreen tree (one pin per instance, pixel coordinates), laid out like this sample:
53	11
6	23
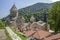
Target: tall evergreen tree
54	16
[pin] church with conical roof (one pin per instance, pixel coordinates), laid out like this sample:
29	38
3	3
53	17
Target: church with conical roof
16	21
13	15
14	12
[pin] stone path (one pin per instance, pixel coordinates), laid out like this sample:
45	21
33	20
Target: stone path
2	35
12	34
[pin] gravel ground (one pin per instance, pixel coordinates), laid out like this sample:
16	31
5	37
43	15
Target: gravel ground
2	35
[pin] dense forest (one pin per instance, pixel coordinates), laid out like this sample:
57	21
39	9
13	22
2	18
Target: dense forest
38	10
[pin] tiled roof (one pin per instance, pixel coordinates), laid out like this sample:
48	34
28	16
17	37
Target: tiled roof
29	33
41	34
57	37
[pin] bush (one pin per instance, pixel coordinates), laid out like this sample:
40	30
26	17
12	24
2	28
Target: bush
2	25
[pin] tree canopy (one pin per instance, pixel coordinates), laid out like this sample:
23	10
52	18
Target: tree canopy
54	17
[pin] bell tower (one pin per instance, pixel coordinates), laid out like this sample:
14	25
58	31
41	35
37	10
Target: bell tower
13	15
13	12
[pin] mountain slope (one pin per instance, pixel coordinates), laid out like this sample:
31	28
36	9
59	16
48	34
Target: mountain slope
33	8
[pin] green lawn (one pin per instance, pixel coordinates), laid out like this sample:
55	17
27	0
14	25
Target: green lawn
20	35
8	36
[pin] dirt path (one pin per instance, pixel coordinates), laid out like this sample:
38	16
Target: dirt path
2	35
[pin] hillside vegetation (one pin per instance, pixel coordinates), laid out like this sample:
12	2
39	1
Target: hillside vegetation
2	25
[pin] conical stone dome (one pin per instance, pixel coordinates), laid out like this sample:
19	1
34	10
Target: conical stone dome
13	9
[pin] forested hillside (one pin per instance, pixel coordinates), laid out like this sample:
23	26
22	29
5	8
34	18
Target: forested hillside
38	10
35	7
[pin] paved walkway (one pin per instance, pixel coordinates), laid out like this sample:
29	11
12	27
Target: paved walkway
12	34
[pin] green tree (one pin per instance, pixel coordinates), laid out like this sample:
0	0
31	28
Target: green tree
27	17
2	25
54	16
